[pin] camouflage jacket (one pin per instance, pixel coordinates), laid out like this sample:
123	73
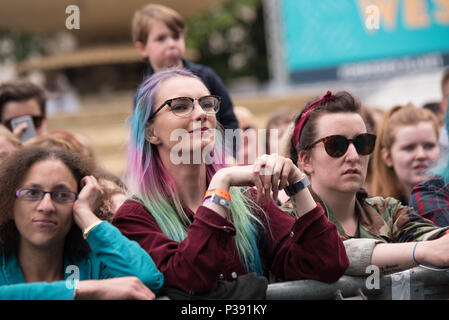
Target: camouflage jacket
380	220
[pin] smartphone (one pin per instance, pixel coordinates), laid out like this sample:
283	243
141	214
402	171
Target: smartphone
29	132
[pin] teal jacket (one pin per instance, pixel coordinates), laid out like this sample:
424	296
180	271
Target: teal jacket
112	255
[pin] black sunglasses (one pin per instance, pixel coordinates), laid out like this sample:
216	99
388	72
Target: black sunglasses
337	145
37	121
183	106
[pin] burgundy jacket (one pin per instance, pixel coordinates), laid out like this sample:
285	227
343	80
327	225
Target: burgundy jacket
306	248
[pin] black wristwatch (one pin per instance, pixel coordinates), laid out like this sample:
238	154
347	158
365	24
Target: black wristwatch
296	187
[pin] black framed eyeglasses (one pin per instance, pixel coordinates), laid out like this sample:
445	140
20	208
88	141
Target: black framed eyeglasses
58	196
337	145
183	106
37	121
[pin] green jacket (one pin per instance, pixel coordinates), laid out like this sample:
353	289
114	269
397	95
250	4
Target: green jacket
112	255
380	220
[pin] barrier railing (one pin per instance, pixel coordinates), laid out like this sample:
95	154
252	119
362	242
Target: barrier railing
413	284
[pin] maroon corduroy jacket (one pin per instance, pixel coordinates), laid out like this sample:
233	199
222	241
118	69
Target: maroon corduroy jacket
306	248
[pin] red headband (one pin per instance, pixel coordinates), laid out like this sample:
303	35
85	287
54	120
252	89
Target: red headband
305	115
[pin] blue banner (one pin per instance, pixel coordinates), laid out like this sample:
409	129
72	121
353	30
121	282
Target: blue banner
323	34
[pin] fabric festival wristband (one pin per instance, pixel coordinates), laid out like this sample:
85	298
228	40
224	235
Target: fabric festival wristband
413	254
218	191
218	200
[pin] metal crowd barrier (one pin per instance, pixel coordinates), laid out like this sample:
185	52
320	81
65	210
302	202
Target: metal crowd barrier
412	284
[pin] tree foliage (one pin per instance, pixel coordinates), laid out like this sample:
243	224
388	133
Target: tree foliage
18	47
231	40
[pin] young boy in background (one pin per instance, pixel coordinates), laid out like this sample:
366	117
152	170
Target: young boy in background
158	34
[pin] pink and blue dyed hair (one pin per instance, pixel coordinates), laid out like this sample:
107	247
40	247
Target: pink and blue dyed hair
150	182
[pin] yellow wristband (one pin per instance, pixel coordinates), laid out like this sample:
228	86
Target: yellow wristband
87	230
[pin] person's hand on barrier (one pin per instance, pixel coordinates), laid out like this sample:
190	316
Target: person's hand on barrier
124	288
433	252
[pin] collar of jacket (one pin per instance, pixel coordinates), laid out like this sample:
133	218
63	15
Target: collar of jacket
370	222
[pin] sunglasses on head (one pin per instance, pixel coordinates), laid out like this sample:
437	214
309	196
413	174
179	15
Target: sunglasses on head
37	121
337	145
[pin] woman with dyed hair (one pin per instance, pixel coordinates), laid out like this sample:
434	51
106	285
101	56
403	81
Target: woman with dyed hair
331	144
406	148
52	245
202	222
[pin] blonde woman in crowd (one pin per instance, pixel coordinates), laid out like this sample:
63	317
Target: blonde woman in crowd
406	148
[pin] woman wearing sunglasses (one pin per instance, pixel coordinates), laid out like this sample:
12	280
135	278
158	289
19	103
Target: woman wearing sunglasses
406	149
330	143
52	245
203	222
